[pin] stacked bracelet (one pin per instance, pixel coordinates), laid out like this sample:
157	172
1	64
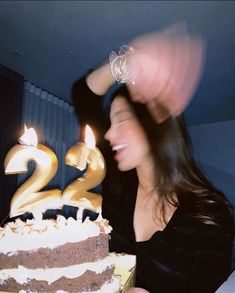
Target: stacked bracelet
119	65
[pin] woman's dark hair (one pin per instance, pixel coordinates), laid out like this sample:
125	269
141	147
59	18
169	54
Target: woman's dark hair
176	169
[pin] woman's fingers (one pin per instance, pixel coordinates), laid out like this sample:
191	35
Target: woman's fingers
165	69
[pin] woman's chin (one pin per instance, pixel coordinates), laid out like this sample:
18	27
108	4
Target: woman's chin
121	168
124	167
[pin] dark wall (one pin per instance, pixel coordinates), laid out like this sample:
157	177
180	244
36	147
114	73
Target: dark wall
11	100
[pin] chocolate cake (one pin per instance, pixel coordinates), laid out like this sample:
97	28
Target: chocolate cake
62	255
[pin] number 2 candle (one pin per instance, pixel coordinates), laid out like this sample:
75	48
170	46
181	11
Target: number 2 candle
80	156
28	197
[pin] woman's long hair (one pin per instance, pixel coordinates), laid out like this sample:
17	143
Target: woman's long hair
176	169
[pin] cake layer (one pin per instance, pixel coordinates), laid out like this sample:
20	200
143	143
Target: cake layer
112	286
84	276
62	255
34	234
89	250
88	282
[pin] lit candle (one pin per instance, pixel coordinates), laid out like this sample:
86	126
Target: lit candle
28	197
80	156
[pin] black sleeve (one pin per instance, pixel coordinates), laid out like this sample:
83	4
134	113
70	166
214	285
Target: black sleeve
90	110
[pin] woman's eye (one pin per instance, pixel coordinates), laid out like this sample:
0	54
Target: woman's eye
123	120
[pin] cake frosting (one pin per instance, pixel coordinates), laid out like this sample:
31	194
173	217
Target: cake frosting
62	255
19	235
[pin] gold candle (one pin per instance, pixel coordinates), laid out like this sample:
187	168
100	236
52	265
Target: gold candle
80	156
28	197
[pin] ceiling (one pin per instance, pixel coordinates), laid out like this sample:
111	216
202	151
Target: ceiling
53	43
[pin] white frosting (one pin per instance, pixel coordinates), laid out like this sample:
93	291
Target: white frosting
24	275
34	234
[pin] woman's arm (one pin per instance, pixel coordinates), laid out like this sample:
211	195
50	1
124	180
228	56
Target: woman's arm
161	69
87	95
100	80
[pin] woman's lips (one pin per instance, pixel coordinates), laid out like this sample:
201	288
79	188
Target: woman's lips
118	150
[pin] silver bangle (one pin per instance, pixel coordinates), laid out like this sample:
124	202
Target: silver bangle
118	63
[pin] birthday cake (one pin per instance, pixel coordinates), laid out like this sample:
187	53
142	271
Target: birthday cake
62	255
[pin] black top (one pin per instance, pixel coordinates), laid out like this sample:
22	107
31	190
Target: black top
187	256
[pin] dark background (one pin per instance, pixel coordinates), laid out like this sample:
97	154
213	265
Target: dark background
52	43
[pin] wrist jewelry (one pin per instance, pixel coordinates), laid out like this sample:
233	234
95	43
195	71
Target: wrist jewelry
119	65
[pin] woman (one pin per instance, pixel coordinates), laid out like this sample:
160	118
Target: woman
160	205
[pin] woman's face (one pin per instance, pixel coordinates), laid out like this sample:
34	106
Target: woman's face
126	136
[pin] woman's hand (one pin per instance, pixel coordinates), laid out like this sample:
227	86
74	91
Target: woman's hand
164	70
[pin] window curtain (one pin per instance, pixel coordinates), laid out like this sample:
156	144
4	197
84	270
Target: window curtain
57	127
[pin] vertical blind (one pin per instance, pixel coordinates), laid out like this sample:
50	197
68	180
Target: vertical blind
57	127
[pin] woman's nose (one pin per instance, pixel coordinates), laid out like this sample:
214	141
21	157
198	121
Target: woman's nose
107	135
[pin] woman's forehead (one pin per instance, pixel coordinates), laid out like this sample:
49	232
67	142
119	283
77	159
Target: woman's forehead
119	105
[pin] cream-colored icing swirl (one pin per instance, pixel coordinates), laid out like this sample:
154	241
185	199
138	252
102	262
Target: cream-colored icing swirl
34	234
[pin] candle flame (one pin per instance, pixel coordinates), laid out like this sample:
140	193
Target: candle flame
89	137
29	137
